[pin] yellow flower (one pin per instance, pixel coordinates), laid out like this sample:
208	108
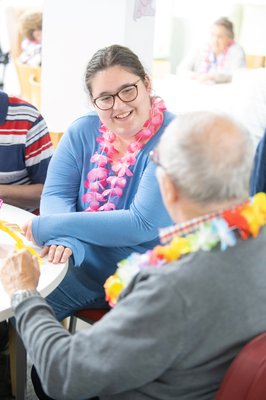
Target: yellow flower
182	244
260	202
254	217
174	250
113	287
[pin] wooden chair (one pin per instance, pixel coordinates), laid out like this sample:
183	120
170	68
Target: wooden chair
255	61
246	377
55	138
89	315
25	72
35	91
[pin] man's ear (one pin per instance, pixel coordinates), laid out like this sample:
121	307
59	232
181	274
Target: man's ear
168	188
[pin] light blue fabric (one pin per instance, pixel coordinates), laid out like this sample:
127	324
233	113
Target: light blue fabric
258	176
98	239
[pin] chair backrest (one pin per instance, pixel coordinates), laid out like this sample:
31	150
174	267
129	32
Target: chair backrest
35	91
246	376
89	315
24	72
55	138
255	61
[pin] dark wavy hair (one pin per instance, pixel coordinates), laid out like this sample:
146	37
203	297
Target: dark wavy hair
111	56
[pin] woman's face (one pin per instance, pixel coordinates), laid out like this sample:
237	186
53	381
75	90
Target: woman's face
124	119
219	39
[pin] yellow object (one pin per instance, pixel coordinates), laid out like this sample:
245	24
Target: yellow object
255	61
30	82
55	138
19	242
113	287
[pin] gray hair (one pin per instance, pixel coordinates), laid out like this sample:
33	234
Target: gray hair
227	24
208	156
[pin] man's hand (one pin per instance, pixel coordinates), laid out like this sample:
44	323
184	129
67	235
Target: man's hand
20	271
27	229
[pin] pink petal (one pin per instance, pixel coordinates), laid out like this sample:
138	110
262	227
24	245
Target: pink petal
97	173
121	182
135	146
107	207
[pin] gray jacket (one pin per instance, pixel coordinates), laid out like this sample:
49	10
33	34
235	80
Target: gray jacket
172	336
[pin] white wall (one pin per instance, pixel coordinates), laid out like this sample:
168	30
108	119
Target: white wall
72	31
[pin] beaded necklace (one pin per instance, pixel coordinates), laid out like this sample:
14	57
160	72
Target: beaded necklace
241	221
108	178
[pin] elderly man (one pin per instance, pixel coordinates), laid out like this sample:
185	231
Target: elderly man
195	301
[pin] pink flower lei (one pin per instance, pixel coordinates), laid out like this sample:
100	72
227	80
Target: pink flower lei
108	179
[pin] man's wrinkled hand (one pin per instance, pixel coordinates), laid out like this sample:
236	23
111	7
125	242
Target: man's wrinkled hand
20	271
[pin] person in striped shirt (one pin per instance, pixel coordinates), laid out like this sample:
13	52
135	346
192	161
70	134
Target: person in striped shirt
25	152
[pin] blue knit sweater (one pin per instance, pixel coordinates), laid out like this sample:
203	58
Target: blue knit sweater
99	239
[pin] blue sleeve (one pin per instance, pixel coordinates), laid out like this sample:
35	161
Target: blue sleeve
258	176
63	179
130	227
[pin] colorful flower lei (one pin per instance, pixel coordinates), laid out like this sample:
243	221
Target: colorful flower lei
108	179
246	219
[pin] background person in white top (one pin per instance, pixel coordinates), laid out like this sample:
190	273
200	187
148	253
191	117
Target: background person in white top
216	61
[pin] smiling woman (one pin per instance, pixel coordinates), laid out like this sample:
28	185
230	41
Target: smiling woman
102	183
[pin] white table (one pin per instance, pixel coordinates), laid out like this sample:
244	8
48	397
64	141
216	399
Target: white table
185	95
51	276
243	98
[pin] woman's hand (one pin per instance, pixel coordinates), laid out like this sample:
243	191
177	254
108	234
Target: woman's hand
56	253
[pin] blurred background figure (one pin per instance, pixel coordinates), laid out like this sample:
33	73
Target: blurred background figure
31	30
216	62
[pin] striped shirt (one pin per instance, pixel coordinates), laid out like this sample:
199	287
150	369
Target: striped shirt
25	144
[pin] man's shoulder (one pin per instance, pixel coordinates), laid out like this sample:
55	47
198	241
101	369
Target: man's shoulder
204	265
15	101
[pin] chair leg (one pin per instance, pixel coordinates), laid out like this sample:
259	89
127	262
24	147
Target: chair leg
18	364
72	324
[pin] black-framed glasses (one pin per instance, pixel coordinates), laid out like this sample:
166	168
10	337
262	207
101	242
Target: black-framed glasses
127	94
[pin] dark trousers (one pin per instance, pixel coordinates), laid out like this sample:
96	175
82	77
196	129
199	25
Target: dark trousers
5	380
